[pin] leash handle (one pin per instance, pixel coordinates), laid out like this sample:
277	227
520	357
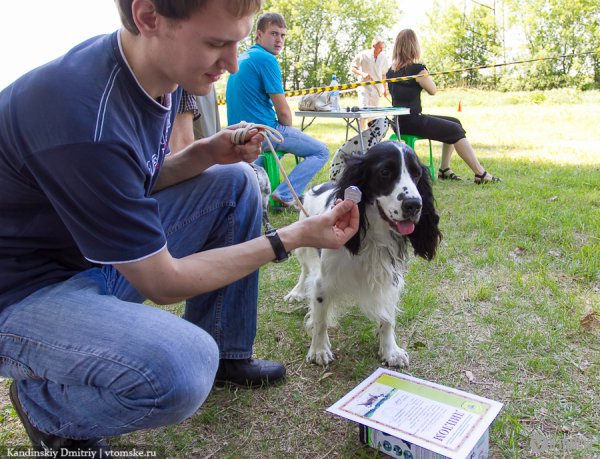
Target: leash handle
238	137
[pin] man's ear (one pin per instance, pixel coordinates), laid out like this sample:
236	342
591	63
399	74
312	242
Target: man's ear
259	34
145	16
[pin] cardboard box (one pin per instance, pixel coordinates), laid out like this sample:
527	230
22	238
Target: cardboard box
410	418
395	447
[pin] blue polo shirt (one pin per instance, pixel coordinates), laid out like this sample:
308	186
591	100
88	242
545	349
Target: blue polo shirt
248	90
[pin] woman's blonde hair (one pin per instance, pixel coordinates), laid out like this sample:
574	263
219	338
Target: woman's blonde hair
406	49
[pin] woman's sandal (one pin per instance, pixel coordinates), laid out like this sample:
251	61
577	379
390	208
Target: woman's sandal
447	174
479	178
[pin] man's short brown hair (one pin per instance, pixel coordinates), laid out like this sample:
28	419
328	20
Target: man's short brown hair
183	9
265	20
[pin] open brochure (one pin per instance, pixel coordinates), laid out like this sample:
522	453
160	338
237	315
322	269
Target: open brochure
441	419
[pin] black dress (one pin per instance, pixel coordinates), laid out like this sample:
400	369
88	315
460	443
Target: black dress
407	93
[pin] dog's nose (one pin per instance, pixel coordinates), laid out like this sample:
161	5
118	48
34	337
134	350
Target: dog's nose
411	207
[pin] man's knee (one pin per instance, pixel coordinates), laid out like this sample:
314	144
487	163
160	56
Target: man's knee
240	179
248	176
180	375
239	174
323	154
188	394
317	149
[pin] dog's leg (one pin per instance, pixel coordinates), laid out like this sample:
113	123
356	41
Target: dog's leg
316	324
309	261
389	351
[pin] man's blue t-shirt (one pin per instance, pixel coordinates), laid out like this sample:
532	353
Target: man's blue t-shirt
248	90
81	146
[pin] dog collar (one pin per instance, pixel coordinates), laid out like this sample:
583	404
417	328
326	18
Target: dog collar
280	253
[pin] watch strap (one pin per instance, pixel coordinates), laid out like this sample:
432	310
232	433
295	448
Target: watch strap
278	248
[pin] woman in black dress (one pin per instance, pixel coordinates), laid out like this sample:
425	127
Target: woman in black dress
445	129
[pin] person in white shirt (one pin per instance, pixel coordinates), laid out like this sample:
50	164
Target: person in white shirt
371	65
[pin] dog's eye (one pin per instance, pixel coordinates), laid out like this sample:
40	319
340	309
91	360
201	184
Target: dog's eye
385	172
416	173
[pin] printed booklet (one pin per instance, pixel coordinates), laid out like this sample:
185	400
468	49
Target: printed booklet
440	419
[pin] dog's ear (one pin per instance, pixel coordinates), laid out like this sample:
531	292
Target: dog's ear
354	173
426	236
353	245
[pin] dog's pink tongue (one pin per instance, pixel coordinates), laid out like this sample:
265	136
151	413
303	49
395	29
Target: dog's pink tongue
406	227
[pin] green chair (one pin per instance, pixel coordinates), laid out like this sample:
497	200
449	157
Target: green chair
270	165
410	141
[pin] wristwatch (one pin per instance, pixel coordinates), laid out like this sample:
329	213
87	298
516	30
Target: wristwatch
280	253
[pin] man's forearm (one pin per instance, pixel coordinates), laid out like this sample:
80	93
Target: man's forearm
186	164
358	72
285	119
165	279
183	132
282	109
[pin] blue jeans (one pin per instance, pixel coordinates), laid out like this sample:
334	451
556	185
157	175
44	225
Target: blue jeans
91	360
314	152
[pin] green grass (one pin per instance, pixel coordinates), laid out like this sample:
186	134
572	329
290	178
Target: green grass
516	272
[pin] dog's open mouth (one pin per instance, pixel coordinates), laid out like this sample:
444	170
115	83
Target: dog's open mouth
404	227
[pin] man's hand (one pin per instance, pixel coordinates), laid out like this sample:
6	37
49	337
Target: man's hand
345	218
330	230
224	151
204	153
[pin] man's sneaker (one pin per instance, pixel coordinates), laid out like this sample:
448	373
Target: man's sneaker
50	443
249	373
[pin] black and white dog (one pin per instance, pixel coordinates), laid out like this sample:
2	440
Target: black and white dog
396	211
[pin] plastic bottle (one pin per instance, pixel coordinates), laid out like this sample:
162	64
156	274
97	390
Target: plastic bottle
335	95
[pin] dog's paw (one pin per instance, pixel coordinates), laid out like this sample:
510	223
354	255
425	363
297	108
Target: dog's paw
295	296
320	356
396	358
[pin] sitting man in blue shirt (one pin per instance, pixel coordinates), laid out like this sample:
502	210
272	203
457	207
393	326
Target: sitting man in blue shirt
255	94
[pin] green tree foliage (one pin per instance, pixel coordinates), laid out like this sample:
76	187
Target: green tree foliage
459	39
474	35
324	35
556	28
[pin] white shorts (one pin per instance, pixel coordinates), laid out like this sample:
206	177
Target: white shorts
368	96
